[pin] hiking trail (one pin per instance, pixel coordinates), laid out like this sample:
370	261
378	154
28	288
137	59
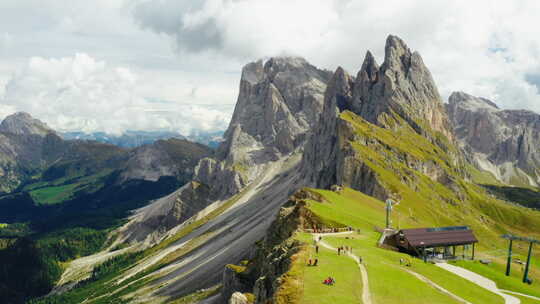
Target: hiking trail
366	296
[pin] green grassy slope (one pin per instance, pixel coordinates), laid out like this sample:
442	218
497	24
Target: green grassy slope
393	154
389	281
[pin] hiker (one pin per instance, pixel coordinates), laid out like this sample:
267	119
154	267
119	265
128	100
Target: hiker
316	248
339	251
360	259
316	262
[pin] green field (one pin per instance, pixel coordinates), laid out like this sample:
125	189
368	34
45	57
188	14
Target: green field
53	195
348	287
63	189
389	282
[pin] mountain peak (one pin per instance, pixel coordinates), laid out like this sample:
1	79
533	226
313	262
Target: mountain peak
397	56
22	123
279	102
471	102
402	85
253	72
369	67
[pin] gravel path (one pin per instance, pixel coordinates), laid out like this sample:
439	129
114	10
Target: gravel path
480	281
521	294
366	296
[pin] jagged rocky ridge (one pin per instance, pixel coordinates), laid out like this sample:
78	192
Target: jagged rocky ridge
502	142
400	91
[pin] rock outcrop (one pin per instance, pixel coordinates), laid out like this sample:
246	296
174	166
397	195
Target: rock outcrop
323	149
505	143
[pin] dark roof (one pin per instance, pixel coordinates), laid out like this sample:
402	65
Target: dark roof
441	236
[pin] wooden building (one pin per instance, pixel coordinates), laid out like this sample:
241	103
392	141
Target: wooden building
435	243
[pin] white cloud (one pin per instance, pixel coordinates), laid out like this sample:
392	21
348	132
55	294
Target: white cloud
6	40
170	63
483	47
82	93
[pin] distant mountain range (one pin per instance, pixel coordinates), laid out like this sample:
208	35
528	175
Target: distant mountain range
131	139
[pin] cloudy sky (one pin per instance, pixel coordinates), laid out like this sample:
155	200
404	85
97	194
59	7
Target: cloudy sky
115	65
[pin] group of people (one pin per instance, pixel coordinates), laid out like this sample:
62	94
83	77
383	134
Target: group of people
316	229
315	262
344	249
329	281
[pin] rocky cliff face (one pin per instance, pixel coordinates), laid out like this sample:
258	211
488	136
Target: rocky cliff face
399	94
279	104
502	142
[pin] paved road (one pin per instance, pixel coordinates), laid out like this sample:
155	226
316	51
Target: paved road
366	296
521	294
480	281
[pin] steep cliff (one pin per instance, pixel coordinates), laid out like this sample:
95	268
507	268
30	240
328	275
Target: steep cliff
399	96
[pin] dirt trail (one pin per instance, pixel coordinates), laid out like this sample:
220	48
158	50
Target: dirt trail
480	281
366	296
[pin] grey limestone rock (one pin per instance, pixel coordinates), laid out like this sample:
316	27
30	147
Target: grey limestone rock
238	298
503	142
22	123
